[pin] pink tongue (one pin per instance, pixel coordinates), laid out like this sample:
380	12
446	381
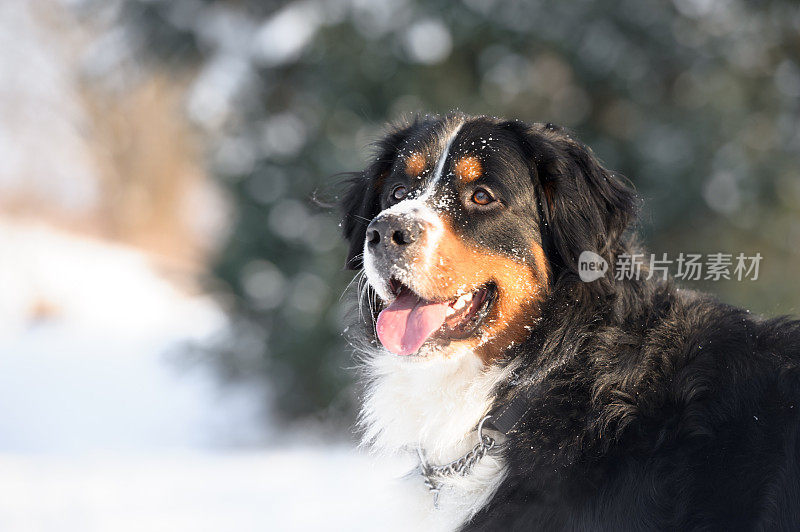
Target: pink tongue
405	324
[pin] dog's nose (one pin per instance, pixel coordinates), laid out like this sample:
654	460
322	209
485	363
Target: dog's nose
395	232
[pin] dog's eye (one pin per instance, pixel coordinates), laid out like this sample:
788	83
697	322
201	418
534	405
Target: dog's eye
482	197
399	192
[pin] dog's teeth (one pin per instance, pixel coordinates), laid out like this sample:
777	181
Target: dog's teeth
462	301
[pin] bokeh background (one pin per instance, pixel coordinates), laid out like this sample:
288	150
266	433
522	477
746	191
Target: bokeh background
171	354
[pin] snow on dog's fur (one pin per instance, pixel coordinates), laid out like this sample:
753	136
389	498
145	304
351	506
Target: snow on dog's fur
644	406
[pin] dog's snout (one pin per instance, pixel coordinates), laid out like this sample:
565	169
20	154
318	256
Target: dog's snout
403	237
373	235
394	232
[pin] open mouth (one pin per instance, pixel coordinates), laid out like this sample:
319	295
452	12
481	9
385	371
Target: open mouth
410	321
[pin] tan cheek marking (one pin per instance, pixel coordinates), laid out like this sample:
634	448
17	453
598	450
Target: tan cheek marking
520	287
469	168
415	164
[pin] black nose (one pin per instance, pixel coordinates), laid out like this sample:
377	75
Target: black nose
394	231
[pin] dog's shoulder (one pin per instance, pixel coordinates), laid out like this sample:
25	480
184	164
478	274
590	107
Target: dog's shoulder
674	397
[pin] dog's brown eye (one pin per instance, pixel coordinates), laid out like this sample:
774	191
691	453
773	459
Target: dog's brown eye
481	197
399	192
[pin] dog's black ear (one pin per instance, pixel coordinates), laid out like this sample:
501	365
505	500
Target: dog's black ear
585	207
361	201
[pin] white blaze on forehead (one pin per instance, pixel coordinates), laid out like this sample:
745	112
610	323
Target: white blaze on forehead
437	174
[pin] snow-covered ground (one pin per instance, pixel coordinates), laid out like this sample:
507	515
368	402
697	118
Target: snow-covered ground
100	432
99	429
268	490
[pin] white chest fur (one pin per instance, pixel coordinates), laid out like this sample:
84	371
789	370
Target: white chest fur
433	404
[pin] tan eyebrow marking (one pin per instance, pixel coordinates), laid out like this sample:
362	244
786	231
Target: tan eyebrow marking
415	164
469	168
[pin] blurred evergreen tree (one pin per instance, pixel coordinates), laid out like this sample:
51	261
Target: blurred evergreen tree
696	101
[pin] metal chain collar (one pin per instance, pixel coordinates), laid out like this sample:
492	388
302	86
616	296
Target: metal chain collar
432	474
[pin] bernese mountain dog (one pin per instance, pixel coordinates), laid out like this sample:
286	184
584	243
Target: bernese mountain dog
533	400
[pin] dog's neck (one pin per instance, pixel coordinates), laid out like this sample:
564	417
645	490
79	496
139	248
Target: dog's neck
433	404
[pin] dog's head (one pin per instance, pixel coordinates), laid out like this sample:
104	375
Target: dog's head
464	224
